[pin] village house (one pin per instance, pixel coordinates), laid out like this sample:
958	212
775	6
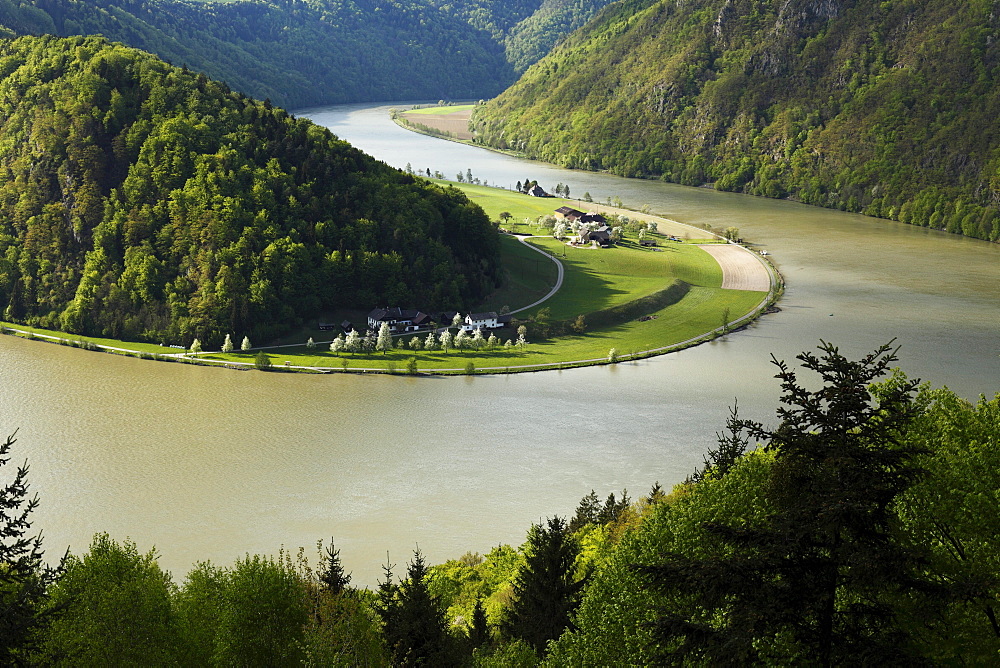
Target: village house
399	320
488	320
568	214
538	191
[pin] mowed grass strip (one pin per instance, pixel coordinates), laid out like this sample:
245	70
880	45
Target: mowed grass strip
439	111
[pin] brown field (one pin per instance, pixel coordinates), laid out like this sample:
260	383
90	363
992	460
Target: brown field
740	269
457	122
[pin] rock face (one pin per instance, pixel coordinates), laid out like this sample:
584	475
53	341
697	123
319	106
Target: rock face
882	108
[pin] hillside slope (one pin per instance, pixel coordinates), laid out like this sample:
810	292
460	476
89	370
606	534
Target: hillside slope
882	107
141	201
302	53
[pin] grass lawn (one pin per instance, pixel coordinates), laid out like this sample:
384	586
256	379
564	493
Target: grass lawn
439	111
594	280
51	334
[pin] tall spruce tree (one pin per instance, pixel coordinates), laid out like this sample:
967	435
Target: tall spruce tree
333	577
816	581
24	578
547	588
414	622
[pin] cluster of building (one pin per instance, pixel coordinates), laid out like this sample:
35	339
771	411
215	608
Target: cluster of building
405	320
593	227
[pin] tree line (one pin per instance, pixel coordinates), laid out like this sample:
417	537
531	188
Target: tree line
863	528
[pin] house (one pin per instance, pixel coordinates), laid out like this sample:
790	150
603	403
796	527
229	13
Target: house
474	321
398	319
647	242
324	326
568	214
593	217
537	191
601	235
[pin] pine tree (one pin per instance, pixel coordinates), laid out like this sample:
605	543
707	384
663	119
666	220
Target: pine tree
333	577
414	622
479	630
546	589
24	578
819	577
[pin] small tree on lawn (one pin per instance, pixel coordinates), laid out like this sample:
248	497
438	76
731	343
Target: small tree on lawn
470	368
457	320
384	342
477	339
651	225
245	346
337	345
461	340
445	340
508	344
262	361
579	325
587	197
415	343
559	231
310	344
522	337
566	190
352	343
613	355
411	366
505	216
491	343
430	343
195	347
227	345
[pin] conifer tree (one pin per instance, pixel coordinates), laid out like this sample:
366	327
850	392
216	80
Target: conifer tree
24	578
414	622
333	577
820	575
479	630
546	589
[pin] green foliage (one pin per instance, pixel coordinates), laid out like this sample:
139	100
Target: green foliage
547	588
262	615
316	52
262	361
414	625
24	578
147	203
822	575
954	511
880	108
114	610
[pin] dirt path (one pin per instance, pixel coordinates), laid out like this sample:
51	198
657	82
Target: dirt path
741	268
559	275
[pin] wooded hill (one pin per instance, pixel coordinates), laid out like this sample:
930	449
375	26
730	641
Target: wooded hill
302	53
145	202
887	108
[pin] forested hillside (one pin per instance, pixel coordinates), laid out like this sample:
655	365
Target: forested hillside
887	108
142	201
301	53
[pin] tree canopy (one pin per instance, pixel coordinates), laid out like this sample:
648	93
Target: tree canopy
142	201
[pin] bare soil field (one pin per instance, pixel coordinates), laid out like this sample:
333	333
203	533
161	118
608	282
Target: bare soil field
457	122
740	269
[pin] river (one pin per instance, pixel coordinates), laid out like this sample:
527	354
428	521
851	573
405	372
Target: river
210	464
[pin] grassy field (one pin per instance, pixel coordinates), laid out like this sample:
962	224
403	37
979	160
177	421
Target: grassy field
439	111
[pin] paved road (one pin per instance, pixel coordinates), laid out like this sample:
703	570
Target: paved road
559	276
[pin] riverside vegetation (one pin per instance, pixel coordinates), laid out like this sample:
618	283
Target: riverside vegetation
882	108
864	525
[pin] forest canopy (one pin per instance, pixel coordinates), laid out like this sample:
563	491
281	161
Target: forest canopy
142	201
881	108
301	53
